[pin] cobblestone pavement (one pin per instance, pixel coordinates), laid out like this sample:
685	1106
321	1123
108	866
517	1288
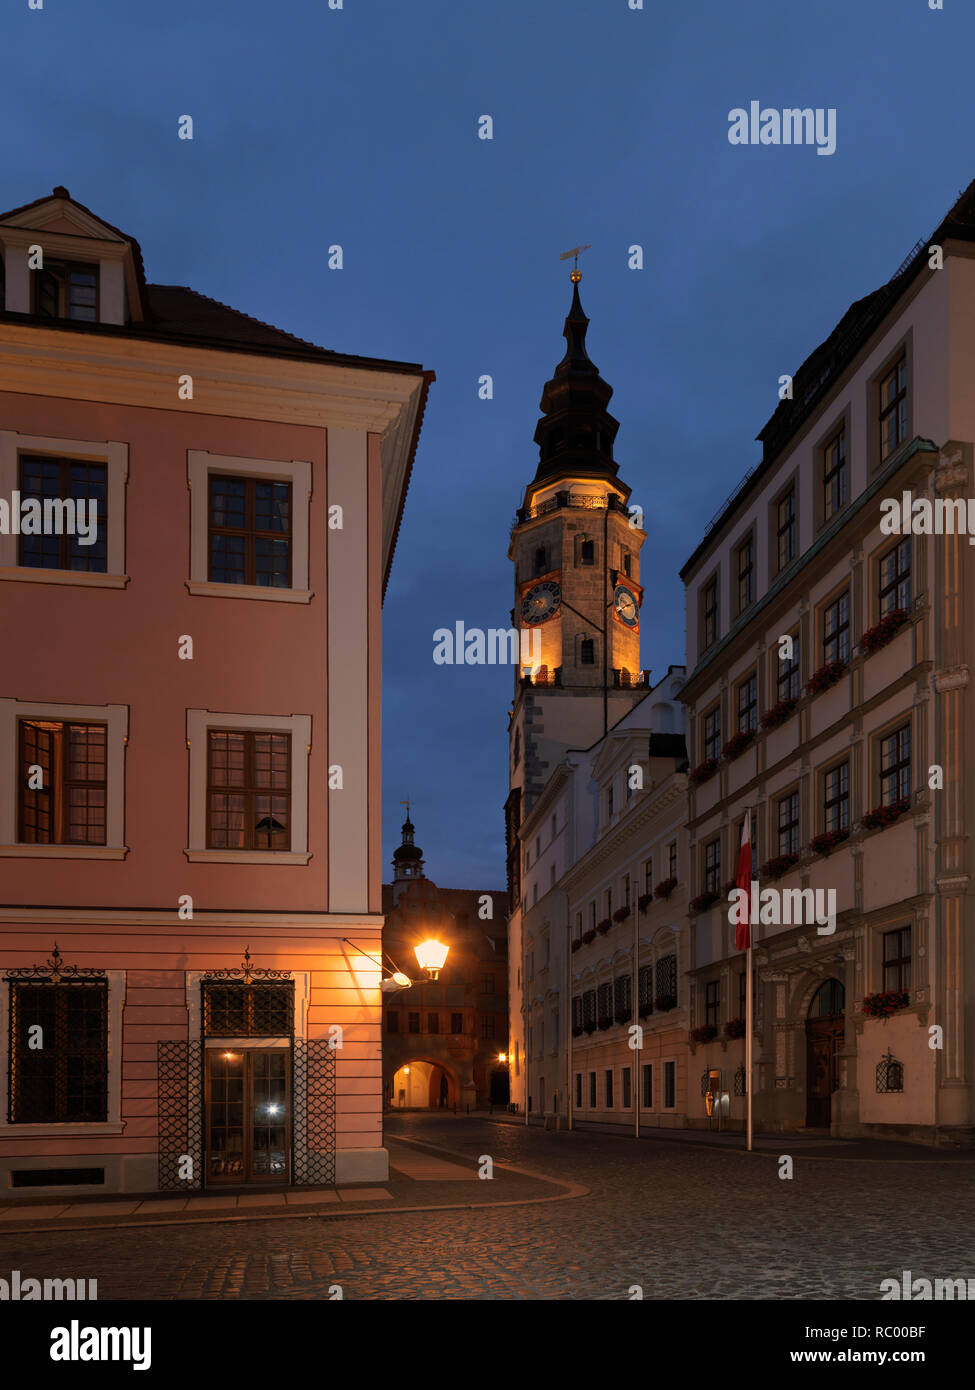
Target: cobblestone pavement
680	1221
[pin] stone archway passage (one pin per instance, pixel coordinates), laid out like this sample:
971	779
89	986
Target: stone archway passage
825	1032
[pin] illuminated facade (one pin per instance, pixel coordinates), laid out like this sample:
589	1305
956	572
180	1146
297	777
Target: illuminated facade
190	732
443	1040
575	547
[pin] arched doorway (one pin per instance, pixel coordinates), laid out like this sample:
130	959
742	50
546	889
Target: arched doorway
825	1028
424	1085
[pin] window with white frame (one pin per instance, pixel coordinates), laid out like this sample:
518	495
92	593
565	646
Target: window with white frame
249	522
69	526
247	823
62	780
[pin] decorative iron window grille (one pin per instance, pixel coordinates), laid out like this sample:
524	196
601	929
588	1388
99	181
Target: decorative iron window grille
588	1007
622	992
890	1074
667	976
645	988
248	1011
604	999
65	1080
741	1087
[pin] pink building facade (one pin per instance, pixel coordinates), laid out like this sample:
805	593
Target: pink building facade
189	729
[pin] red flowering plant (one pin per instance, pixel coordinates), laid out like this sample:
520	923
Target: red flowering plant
882	816
734	1028
703	901
703	771
825	677
890	624
665	887
577	943
822	844
604	926
779	713
589	936
705	1033
737	744
781	864
887	1002
644	901
621	914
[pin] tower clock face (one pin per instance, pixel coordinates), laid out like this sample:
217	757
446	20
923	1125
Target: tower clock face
627	608
541	602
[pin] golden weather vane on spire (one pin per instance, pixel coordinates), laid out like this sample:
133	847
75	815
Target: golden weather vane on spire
575	274
407	805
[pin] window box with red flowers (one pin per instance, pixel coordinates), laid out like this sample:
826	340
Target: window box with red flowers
702	902
734	1028
882	816
665	887
706	1033
664	1003
589	936
605	1022
577	943
644	901
604	926
779	713
825	677
737	744
621	914
889	626
703	771
781	864
823	844
885	1003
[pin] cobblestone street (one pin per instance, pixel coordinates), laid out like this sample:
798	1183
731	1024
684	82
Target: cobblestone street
679	1220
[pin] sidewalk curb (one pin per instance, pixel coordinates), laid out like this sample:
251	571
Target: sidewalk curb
665	1137
54	1225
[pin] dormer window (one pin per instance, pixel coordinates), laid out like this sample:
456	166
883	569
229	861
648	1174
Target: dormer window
66	290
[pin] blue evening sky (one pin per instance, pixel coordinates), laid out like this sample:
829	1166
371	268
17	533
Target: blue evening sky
358	126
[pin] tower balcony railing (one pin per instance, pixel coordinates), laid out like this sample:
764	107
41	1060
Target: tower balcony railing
568	499
543	676
630	680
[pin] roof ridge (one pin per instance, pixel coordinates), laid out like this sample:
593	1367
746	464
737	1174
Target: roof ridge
262	323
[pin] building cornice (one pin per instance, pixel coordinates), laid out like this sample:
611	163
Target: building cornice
673	790
141	371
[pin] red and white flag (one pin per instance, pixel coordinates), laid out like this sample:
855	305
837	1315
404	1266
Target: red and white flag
743	880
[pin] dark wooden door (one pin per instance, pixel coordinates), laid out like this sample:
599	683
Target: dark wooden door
824	1038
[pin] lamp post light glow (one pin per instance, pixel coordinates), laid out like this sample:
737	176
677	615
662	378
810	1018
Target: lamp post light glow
430	955
502	1056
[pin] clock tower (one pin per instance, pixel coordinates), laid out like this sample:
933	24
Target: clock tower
575	547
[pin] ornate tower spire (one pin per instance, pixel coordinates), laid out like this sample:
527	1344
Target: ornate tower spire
408	858
576	432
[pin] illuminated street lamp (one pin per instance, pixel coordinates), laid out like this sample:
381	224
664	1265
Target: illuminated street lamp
430	955
502	1056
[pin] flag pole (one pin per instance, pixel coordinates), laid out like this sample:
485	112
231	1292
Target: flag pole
749	1021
